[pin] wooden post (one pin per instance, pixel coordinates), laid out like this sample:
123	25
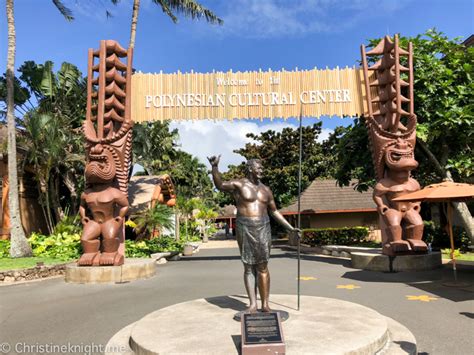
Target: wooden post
451	239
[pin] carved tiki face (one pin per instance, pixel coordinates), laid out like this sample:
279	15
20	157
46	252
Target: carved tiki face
394	151
101	166
400	156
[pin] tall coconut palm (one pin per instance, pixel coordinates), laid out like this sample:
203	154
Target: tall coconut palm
19	244
188	8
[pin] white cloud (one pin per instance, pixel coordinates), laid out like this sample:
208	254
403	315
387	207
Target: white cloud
325	132
283	18
206	138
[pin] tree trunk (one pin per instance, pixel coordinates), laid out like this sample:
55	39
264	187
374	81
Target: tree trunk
47	199
460	208
462	212
19	244
133	30
43	207
54	190
70	183
176	224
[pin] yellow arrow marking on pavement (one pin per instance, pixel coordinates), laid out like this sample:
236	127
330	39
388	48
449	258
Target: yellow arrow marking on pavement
348	287
422	298
307	278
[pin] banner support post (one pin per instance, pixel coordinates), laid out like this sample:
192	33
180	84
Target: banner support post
299	207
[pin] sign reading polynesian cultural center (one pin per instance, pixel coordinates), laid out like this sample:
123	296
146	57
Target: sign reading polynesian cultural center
258	94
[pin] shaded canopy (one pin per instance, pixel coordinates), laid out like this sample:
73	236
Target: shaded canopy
444	191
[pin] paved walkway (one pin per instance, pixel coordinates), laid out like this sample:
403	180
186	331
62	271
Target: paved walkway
218	244
56	313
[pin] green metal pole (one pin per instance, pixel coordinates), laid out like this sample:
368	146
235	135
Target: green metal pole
299	205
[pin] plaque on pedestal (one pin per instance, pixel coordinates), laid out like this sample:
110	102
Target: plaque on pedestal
262	334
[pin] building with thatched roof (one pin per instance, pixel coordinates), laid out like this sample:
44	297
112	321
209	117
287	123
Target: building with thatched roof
144	191
326	205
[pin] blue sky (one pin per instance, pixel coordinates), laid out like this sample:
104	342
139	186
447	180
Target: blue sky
256	34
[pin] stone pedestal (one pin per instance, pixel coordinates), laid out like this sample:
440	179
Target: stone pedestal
206	326
132	269
376	261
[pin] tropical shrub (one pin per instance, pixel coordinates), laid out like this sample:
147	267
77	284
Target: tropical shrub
153	221
69	224
144	248
62	246
335	236
457	252
4	248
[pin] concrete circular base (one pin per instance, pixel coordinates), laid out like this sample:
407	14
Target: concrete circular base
132	269
376	261
322	326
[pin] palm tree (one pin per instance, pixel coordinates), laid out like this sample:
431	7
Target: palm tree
188	8
53	136
19	244
155	219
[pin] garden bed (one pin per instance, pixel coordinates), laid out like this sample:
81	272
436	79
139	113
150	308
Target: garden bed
20	273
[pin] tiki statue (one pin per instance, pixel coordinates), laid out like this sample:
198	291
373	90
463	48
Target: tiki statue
391	123
108	135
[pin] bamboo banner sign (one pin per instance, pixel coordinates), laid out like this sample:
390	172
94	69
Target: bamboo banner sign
239	95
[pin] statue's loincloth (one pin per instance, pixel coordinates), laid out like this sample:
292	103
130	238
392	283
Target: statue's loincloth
254	237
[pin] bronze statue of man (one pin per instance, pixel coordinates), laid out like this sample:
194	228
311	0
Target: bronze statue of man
254	201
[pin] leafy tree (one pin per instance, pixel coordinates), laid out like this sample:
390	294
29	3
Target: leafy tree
353	159
19	244
154	146
279	153
444	104
52	139
191	178
198	212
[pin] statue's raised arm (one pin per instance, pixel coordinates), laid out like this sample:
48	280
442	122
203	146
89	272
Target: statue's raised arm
226	186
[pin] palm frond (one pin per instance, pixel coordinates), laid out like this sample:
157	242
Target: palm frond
65	11
188	8
166	9
48	84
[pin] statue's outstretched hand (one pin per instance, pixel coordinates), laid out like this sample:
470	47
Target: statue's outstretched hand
214	160
297	232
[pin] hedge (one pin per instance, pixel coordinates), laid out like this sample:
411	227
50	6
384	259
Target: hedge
335	236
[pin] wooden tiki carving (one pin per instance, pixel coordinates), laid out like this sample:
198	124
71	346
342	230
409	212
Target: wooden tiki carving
108	142
391	124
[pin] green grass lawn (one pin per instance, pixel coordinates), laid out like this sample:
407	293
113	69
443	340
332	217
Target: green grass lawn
24	263
463	256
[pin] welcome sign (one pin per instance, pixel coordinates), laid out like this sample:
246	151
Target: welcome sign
258	94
